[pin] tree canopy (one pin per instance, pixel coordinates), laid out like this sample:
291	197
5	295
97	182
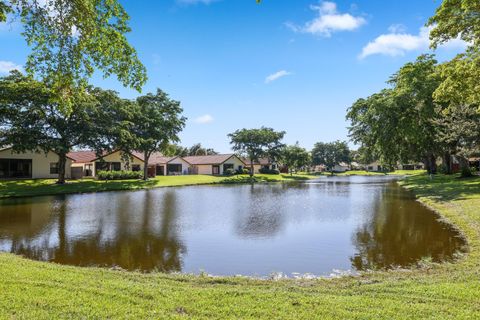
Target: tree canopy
295	157
330	154
70	39
257	143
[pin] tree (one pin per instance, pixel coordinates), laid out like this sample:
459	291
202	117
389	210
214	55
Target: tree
330	154
72	38
154	122
256	143
31	120
295	157
198	150
454	19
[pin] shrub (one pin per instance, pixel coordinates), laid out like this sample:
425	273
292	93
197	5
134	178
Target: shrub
119	175
229	172
466	172
268	171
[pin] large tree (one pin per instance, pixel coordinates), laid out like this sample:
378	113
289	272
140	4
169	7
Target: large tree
70	39
330	154
295	157
32	120
256	143
152	123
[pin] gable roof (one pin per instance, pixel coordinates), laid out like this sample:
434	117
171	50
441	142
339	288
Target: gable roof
82	156
206	160
91	156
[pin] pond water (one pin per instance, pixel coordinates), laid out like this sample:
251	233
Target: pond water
315	227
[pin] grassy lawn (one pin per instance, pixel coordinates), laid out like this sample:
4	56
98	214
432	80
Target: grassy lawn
23	188
36	290
371	173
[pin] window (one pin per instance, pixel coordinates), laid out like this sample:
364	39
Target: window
54	168
136	167
116	166
15	168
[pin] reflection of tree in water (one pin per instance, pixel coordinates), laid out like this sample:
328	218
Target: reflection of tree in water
142	249
400	232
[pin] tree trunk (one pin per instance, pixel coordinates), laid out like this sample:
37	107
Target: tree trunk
447	162
251	168
62	161
145	165
433	164
464	167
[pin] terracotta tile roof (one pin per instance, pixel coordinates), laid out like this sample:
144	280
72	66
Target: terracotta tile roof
90	156
213	159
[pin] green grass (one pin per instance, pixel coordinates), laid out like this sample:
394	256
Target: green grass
372	173
37	290
24	188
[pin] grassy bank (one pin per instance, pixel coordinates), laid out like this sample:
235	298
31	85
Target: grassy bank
373	173
36	290
24	188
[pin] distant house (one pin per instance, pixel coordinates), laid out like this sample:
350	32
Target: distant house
30	165
262	163
341	167
411	166
474	162
214	164
374	166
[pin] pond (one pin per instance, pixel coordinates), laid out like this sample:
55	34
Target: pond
316	227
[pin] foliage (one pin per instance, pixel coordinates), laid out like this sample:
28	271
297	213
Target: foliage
456	19
330	154
229	172
268	171
148	125
119	175
257	143
31	119
295	157
70	39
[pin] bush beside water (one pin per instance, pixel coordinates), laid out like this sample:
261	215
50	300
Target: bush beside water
119	175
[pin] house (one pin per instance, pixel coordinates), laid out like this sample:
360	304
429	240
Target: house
214	164
374	166
30	165
474	162
87	163
262	163
341	167
411	166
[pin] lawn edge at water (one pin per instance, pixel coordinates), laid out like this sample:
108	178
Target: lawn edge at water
48	187
31	289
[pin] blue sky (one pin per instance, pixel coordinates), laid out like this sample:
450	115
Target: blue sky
293	65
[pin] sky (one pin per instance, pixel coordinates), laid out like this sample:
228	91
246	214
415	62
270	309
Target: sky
292	65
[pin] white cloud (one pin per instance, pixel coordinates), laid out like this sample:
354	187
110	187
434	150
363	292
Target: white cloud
397	43
277	75
7	66
328	21
205	119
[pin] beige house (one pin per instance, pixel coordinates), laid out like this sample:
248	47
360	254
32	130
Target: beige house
87	164
214	164
262	163
30	165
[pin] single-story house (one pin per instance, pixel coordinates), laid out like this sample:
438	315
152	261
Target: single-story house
30	165
474	162
341	167
411	166
214	164
262	163
374	166
87	163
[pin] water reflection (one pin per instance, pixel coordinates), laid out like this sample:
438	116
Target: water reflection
332	223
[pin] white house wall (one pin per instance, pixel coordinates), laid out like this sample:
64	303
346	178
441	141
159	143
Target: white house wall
40	163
